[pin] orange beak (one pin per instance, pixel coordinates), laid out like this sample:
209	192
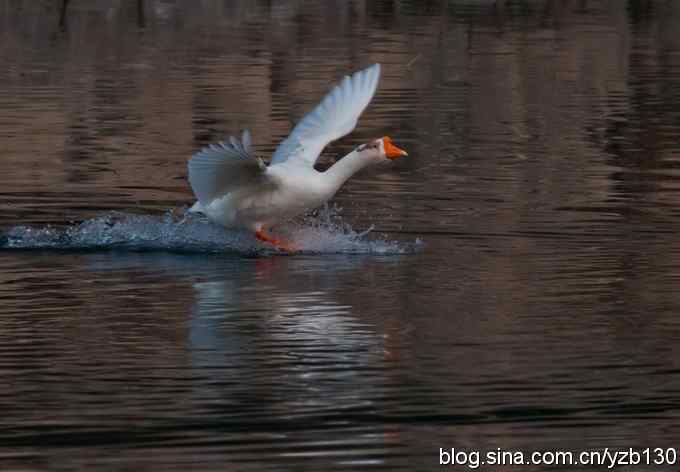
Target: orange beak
392	151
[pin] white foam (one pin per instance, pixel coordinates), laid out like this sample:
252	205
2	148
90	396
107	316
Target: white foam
324	232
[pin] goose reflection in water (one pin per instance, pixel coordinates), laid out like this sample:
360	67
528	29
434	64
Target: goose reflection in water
263	311
279	354
269	345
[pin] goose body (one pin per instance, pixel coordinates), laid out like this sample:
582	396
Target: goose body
235	189
287	193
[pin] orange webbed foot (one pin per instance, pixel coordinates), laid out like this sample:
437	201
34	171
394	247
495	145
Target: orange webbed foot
277	243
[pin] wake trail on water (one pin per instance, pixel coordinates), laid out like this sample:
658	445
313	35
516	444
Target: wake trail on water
323	233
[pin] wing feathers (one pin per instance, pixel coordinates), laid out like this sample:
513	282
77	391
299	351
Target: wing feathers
220	168
334	117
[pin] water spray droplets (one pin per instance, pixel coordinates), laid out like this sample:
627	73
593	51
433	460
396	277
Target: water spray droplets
323	232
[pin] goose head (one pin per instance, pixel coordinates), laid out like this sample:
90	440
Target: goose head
380	150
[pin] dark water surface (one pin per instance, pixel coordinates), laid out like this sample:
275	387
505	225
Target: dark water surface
519	290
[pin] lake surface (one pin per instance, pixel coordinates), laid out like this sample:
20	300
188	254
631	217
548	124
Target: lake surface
518	288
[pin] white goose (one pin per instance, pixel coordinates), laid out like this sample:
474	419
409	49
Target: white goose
237	190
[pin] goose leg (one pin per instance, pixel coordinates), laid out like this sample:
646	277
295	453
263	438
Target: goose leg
278	244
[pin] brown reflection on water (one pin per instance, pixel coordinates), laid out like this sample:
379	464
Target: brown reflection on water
128	90
526	120
542	177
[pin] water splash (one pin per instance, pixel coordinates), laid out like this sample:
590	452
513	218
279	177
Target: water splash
323	232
